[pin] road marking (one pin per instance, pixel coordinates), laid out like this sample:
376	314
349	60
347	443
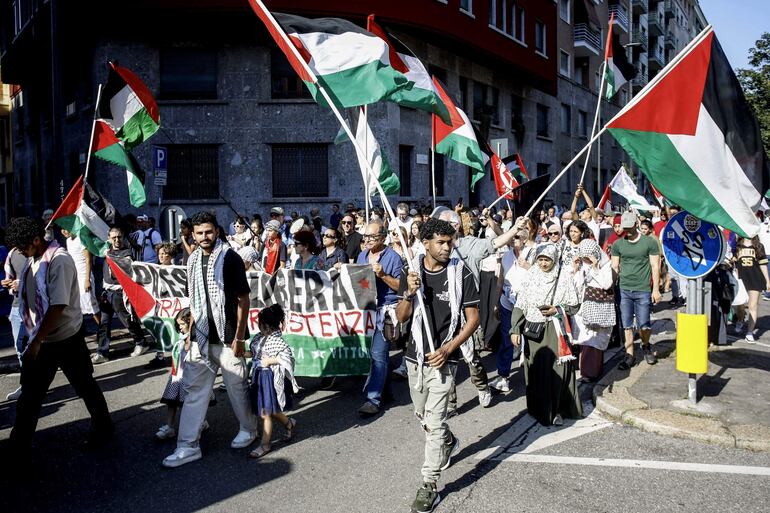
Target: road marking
642	464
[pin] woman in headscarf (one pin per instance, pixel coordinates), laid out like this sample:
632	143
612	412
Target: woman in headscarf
539	322
592	325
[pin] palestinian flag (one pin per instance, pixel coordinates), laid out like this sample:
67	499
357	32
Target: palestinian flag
108	147
658	196
128	107
516	167
352	64
420	93
696	139
604	202
141	300
458	139
87	214
377	160
617	69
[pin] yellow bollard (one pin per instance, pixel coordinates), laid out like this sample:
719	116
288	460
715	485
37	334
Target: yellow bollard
692	343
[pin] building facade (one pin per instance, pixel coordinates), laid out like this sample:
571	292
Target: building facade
240	127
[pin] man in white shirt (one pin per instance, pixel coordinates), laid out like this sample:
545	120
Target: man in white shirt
147	238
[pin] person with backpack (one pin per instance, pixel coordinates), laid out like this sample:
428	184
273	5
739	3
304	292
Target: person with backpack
146	239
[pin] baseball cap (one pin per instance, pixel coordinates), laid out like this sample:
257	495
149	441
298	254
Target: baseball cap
277	210
273	225
628	220
413	212
142	217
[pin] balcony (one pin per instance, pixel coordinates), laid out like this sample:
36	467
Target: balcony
656	59
656	23
668	8
639	81
638	39
587	40
621	17
639	6
671	41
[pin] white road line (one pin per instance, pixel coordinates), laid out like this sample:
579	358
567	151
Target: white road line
642	464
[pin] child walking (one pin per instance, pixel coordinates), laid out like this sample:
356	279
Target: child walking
272	377
173	394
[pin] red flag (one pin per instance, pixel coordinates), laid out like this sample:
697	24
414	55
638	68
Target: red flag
605	200
139	298
504	180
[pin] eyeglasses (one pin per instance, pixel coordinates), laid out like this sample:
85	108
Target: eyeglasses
373	237
327	236
346	222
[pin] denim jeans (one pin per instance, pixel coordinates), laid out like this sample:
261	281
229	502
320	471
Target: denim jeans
379	369
18	330
635	303
112	302
507	354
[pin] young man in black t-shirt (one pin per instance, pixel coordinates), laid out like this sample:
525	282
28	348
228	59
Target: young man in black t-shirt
451	316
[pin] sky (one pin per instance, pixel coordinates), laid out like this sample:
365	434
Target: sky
738	25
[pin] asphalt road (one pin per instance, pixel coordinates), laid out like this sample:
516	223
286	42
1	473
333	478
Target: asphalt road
341	463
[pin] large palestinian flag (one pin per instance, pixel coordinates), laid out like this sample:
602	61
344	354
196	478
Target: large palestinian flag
127	106
617	69
697	140
108	147
377	160
458	139
352	64
421	93
87	214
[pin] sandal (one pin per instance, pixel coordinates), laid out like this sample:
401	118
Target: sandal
290	426
259	451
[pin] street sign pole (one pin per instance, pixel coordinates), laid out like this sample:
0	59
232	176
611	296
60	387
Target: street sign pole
693	308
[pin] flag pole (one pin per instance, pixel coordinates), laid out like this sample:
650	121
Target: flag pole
596	118
258	5
367	192
433	159
561	173
93	131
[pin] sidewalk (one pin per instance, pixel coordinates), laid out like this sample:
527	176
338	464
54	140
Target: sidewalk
732	410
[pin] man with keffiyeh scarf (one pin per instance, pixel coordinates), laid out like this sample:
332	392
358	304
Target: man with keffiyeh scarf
49	303
451	308
219	303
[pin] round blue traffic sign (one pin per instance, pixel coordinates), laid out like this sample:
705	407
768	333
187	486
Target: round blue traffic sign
692	247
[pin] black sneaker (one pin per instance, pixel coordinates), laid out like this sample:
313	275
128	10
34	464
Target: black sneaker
649	356
628	362
427	498
447	450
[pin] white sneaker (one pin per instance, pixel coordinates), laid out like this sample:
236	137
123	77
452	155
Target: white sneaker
485	397
13	395
139	350
750	338
501	384
165	432
243	439
181	456
401	370
98	358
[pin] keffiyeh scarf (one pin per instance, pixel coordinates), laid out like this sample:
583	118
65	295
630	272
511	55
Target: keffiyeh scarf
273	346
41	292
198	285
546	288
455	269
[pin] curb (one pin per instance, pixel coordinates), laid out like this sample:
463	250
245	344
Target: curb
612	397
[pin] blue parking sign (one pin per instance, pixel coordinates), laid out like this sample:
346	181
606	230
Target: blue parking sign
692	247
159	158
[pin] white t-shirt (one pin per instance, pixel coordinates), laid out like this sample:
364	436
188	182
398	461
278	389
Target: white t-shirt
764	234
513	276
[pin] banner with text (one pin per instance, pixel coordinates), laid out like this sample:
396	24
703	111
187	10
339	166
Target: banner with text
330	315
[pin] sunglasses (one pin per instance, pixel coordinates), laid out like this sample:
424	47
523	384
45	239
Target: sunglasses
553	233
372	237
329	237
346	222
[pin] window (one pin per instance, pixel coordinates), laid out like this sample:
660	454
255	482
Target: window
486	102
566	119
517	21
405	169
193	172
464	93
300	170
188	74
540	37
285	83
438	175
542	121
564	63
543	169
466	6
517	114
493	13
582	123
564	10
